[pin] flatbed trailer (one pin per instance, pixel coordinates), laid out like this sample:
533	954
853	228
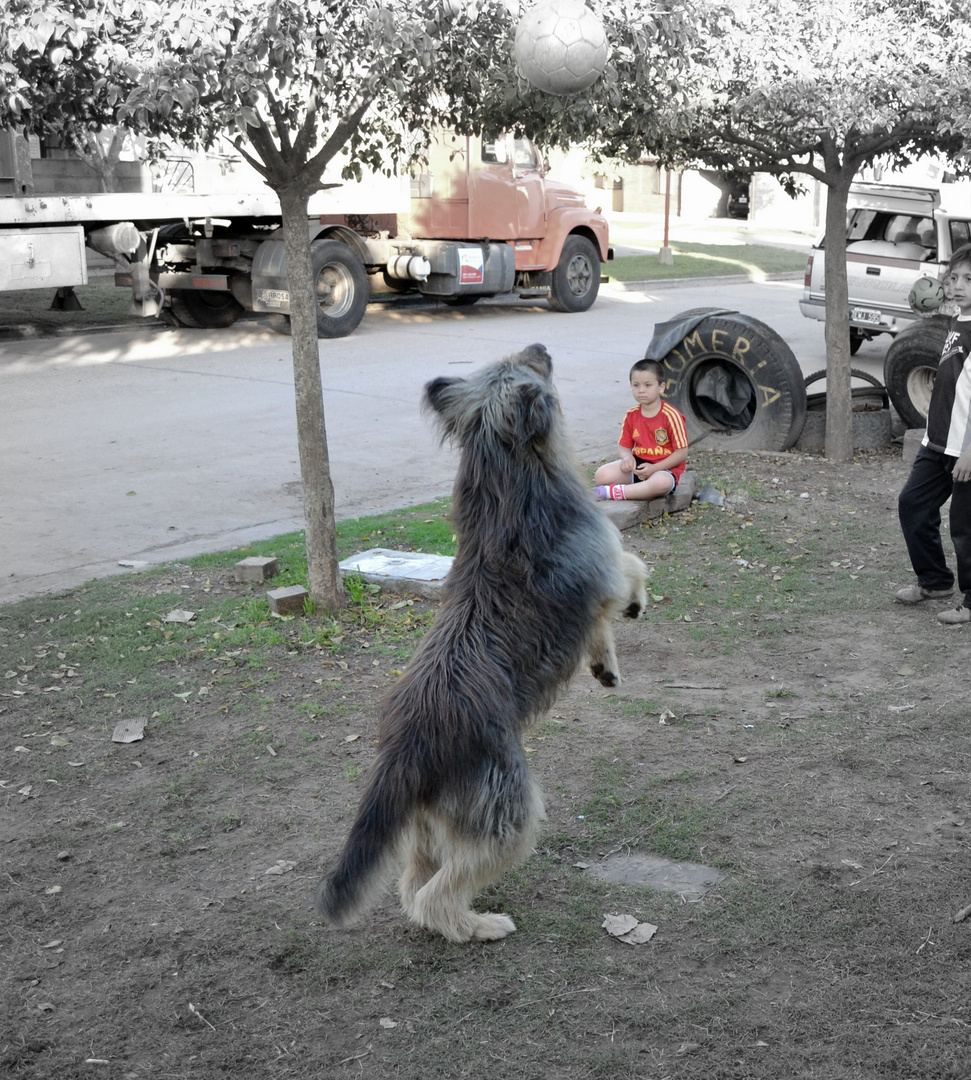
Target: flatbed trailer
482	219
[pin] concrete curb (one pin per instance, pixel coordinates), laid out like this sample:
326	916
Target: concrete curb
726	279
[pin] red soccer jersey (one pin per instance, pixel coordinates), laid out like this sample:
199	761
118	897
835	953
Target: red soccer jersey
653	438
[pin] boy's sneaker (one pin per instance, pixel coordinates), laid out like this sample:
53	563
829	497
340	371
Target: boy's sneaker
916	594
955	616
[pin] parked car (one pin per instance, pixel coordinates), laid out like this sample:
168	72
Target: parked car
894	235
738	202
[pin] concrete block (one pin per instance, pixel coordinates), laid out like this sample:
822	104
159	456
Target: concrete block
412	571
912	441
626	514
256	568
288	601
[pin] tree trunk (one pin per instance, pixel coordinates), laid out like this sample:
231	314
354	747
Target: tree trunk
325	583
839	398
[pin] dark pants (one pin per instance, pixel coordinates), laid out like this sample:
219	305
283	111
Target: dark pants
927	489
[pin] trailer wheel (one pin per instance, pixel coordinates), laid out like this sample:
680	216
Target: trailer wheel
204	309
575	280
910	367
341	288
736	381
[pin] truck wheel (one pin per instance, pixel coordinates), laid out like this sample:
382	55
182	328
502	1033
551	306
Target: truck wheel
910	367
204	309
736	381
341	287
575	280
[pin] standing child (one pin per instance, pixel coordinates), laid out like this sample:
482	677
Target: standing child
942	468
653	443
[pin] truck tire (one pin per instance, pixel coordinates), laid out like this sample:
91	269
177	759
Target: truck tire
910	367
575	280
204	309
341	285
736	381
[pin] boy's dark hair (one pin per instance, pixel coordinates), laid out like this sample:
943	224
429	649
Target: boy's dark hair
657	367
962	255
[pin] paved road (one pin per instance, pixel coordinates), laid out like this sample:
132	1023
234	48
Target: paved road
153	446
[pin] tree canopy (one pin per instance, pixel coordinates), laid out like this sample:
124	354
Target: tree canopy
817	91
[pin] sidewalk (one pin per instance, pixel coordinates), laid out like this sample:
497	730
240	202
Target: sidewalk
643	234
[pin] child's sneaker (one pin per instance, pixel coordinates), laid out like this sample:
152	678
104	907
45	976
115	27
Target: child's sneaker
915	594
955	616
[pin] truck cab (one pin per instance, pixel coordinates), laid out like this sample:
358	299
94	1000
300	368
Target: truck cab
895	234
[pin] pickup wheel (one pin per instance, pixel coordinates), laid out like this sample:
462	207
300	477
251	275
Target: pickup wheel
910	367
736	381
575	280
204	309
341	287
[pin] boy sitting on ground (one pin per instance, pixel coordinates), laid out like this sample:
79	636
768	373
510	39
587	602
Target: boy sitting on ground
653	443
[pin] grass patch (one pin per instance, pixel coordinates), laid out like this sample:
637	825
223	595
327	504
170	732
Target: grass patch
709	260
816	754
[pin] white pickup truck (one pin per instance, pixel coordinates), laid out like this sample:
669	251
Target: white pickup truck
894	235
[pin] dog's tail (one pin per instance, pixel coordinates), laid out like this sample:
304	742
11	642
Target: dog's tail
369	855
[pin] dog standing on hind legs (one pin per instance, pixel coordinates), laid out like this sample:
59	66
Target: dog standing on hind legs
539	573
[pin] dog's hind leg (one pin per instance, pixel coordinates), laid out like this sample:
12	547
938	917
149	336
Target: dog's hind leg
444	903
421	865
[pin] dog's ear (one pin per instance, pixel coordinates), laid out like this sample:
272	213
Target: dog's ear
442	396
538	411
538	359
439	392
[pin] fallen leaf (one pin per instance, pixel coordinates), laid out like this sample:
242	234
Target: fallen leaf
627	929
178	616
281	866
387	1022
128	731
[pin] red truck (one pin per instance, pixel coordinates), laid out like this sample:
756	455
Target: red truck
481	219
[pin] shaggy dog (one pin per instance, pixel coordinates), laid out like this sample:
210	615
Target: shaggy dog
538	575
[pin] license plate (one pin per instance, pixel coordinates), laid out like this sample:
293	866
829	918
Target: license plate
865	315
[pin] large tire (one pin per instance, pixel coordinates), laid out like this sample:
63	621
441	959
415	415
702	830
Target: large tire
872	396
737	383
910	367
871	426
341	286
575	280
204	309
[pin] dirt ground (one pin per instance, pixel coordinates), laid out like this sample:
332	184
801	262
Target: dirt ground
781	721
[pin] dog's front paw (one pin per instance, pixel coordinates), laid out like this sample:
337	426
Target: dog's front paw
604	675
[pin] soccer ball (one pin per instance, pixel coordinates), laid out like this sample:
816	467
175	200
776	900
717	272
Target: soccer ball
927	294
561	46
